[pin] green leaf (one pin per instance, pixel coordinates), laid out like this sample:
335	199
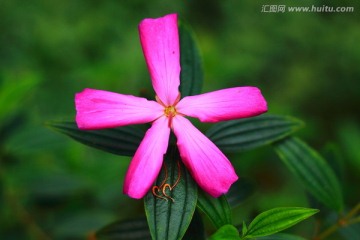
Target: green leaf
333	157
196	229
121	141
217	209
244	228
226	232
281	236
136	229
276	220
249	133
349	137
167	218
312	170
239	192
191	74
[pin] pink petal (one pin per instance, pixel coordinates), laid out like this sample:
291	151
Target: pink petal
98	109
160	43
207	164
226	104
147	161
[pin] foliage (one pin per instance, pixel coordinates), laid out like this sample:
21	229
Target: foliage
54	188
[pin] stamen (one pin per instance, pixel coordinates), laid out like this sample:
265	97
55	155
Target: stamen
164	193
170	111
173	186
158	190
155	190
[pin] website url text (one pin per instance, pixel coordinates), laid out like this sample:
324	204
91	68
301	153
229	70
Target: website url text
324	8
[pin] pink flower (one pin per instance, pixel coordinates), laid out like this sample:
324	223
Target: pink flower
209	167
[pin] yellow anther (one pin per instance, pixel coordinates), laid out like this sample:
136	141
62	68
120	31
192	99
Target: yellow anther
170	111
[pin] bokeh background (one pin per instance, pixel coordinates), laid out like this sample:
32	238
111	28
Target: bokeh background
307	65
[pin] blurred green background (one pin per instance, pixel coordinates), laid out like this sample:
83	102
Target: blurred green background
306	64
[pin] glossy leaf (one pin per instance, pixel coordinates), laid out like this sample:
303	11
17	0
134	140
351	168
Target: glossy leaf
167	218
239	192
281	236
249	133
136	229
312	170
276	220
226	232
191	75
217	209
121	141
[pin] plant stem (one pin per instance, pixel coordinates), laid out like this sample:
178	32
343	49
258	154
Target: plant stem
345	221
354	220
353	211
327	232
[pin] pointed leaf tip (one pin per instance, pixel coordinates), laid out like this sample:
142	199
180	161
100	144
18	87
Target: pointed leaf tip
245	134
121	141
276	220
191	74
312	170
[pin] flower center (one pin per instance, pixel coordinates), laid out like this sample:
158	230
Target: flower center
170	111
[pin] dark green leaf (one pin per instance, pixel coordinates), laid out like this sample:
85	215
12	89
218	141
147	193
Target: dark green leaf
239	192
136	229
226	232
249	133
191	74
349	136
196	229
167	218
217	209
276	220
312	170
331	153
281	236
121	141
